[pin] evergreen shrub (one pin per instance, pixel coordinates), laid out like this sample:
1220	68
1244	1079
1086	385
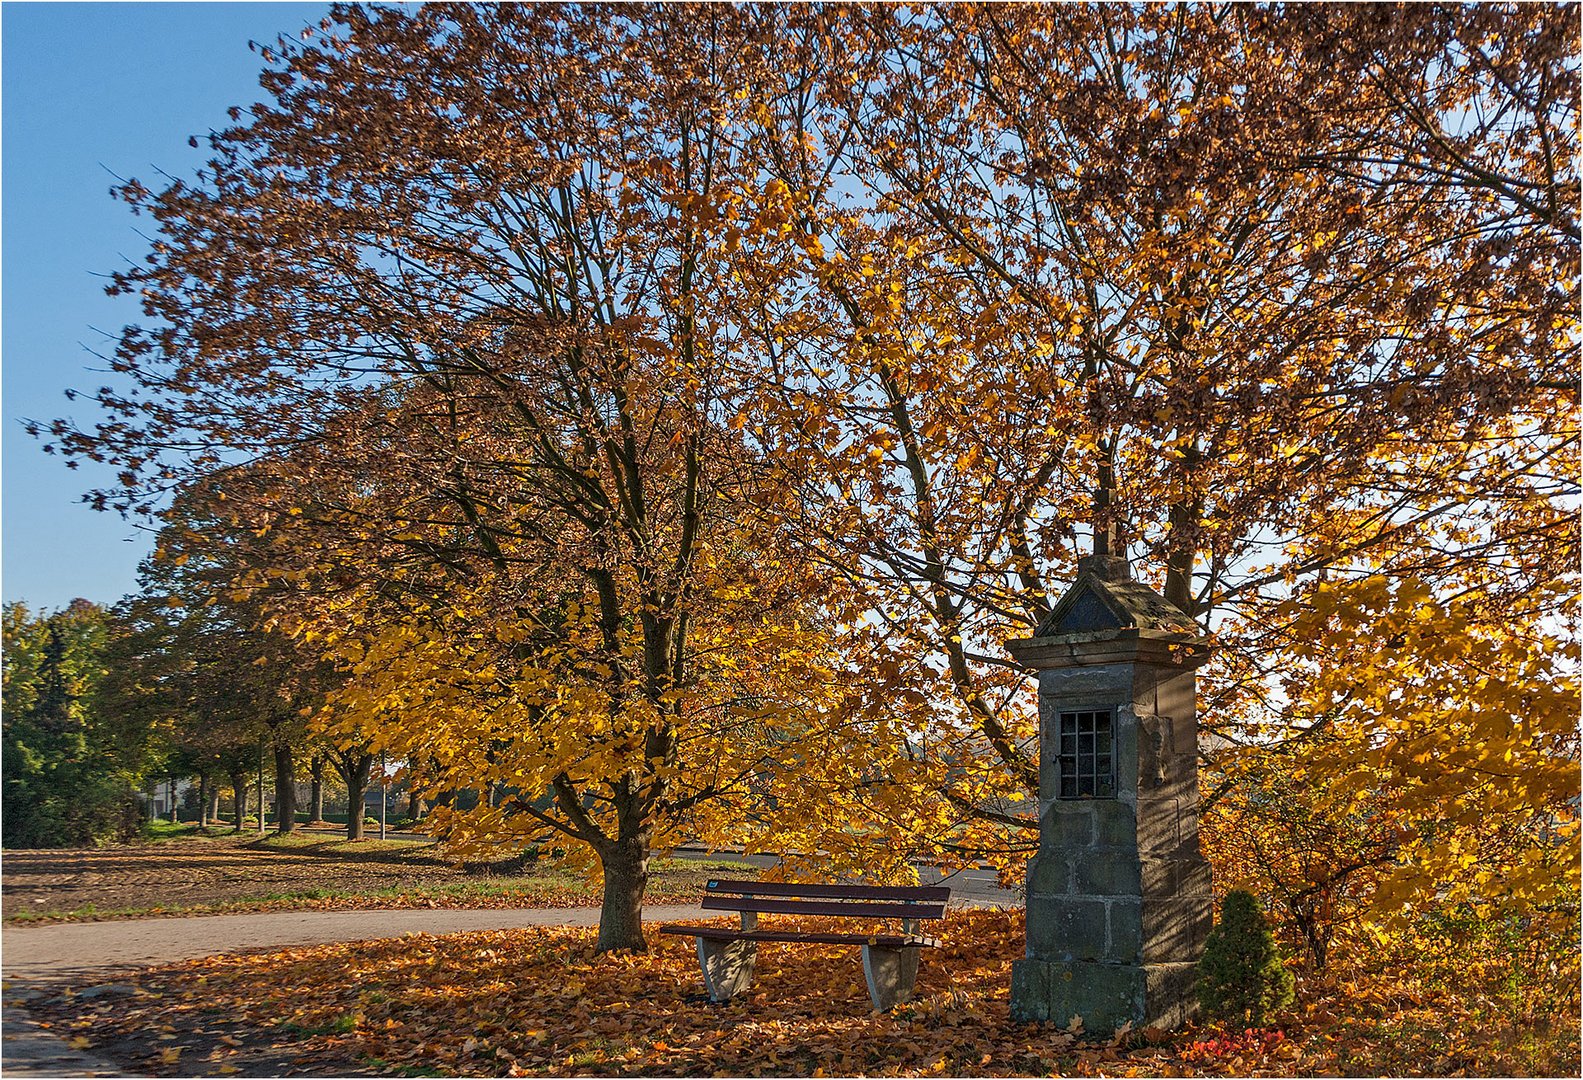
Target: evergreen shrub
1241	978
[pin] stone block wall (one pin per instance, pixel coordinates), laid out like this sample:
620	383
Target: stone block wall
1119	895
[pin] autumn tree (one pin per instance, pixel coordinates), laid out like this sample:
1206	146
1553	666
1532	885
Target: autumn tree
1278	832
1426	756
205	651
547	322
1129	280
491	338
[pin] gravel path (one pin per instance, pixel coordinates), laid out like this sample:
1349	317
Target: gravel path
38	959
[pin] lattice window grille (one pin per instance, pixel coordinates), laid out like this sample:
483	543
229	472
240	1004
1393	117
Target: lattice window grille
1088	754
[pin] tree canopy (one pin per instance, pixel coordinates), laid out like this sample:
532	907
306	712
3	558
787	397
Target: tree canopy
664	414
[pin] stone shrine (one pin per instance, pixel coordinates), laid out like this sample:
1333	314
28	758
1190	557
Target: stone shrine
1118	895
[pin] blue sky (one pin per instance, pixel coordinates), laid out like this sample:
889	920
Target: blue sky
87	91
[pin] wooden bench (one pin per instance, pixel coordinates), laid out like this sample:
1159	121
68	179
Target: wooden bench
890	961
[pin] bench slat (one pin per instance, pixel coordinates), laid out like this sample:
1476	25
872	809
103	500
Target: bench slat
720	933
851	909
939	893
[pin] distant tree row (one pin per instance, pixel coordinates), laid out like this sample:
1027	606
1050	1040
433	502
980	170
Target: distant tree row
102	707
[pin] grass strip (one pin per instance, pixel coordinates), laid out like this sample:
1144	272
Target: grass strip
675	881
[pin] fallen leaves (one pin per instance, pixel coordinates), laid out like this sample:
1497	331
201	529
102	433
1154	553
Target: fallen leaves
539	1002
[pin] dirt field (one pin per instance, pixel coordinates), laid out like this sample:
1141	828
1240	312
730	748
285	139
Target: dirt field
193	874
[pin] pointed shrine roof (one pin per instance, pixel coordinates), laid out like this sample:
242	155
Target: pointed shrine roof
1094	604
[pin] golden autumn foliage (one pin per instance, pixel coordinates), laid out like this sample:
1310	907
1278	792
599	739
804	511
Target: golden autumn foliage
663	415
1427	760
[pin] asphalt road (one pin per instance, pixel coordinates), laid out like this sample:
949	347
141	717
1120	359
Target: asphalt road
79	952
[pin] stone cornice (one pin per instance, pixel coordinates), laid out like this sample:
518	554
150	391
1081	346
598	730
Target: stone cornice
1118	646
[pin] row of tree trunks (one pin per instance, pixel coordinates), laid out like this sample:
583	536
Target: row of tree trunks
355	773
208	800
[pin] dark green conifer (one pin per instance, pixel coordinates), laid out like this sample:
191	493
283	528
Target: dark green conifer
1241	978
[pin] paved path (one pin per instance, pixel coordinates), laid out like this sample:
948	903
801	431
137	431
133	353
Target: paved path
36	959
73	952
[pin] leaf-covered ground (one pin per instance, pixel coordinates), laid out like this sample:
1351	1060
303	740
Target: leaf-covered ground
537	1002
194	875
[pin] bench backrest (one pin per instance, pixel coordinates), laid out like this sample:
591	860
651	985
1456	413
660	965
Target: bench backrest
856	901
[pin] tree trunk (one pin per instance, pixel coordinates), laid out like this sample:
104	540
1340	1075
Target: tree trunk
415	807
1181	554
1315	935
239	793
203	799
356	792
354	769
174	819
626	867
214	802
316	791
285	791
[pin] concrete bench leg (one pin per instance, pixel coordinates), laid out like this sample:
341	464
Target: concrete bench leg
727	966
891	972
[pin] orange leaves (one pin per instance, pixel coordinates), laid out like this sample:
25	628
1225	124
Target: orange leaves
1464	714
537	1002
540	1002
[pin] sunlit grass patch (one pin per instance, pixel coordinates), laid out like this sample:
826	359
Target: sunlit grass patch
322	843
